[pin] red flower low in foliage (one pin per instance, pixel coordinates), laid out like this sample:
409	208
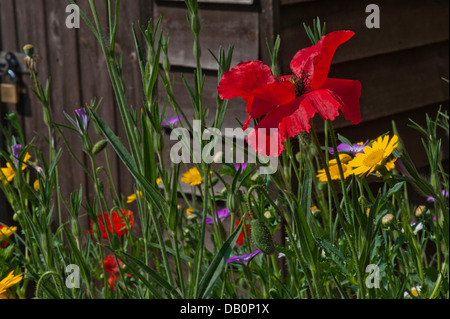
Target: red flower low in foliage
286	104
111	267
121	223
240	240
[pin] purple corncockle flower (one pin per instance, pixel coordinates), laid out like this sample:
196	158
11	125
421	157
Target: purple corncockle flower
16	153
352	149
431	199
172	122
220	214
243	259
243	165
82	118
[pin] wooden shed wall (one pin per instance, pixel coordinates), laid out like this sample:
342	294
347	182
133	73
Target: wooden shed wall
400	65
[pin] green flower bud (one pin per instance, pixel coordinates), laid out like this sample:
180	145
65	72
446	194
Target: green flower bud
261	236
100	146
166	64
234	201
304	138
16	216
195	24
29	50
75	227
158	142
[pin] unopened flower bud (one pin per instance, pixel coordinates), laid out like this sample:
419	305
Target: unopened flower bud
420	210
75	227
99	146
29	50
218	157
261	236
304	138
195	24
387	220
268	214
158	141
234	201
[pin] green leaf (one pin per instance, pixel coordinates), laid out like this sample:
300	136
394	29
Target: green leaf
217	265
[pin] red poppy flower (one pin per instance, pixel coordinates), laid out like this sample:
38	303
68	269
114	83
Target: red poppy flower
110	264
112	282
122	222
289	102
240	240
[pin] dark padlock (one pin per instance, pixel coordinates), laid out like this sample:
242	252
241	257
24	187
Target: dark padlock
9	92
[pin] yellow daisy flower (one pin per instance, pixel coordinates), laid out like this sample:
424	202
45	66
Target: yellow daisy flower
8	172
132	198
6	232
190	213
334	169
36	185
192	177
373	157
8	282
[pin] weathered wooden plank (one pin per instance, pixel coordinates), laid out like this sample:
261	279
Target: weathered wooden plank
129	15
269	27
404	24
8	26
219	28
65	90
8	42
96	84
30	22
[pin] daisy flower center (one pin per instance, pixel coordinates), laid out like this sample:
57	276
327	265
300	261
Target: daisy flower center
374	158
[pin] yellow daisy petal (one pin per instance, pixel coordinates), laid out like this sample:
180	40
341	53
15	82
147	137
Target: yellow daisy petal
9	281
192	177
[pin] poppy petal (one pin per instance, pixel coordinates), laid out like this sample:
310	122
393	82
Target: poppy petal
269	97
316	60
244	79
288	120
349	92
324	102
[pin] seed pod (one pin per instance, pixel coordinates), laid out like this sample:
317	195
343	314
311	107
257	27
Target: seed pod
233	201
100	146
261	237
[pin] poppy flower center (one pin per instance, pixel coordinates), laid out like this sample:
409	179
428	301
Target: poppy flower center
374	158
302	84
